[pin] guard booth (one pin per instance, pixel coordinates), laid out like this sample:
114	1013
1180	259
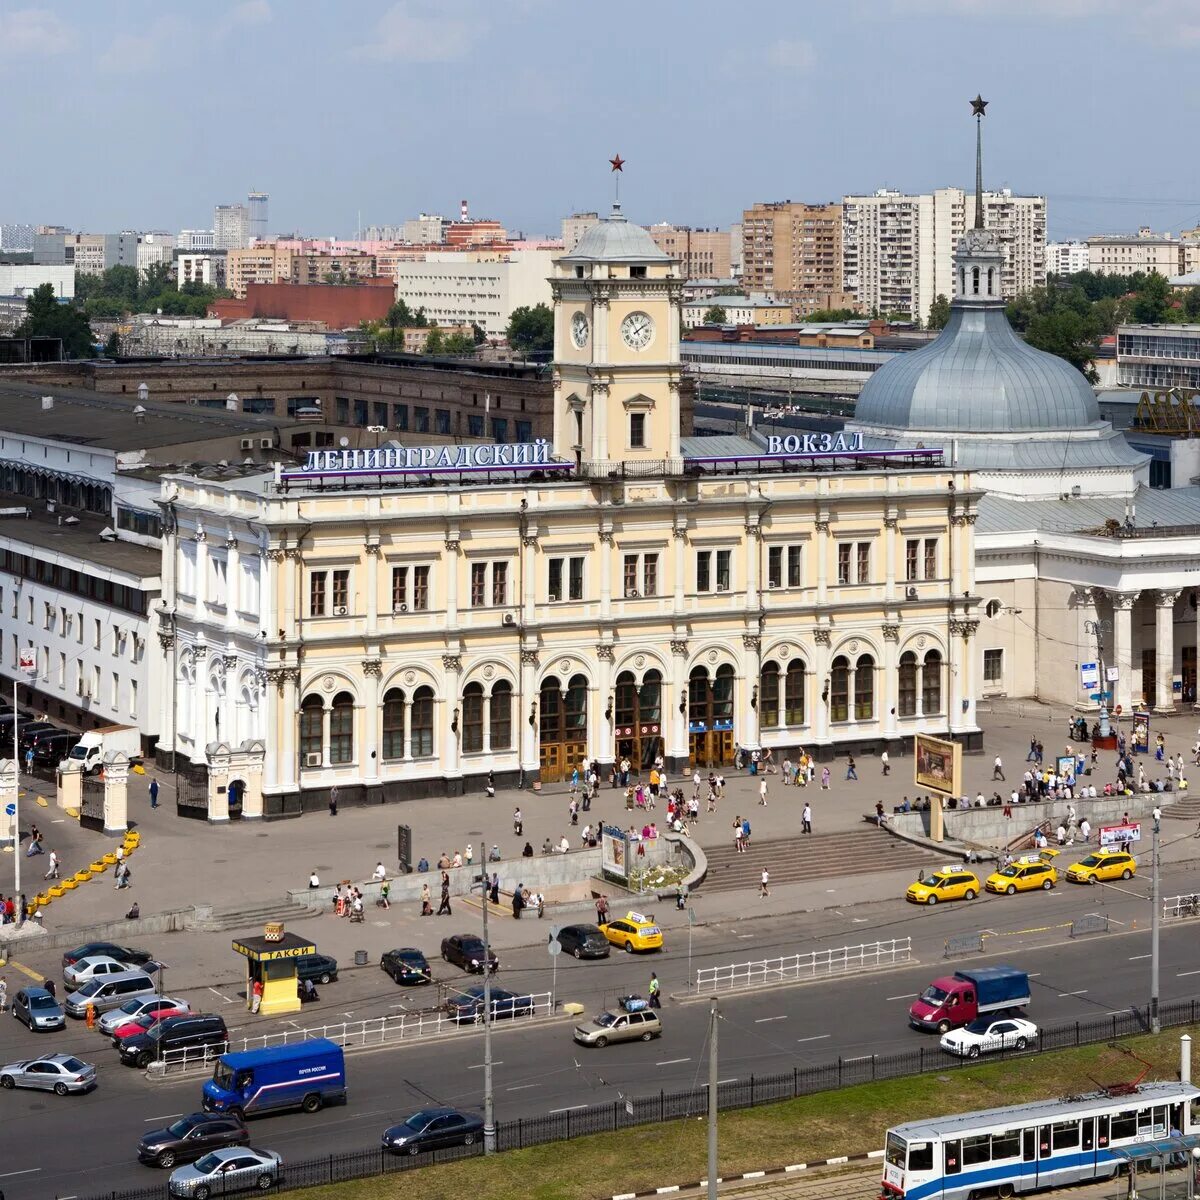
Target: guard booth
271	960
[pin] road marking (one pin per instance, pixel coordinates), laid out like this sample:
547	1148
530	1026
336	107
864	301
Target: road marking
480	1066
1081	992
520	1087
1032	974
1135	957
1181	974
12	962
27	1171
168	1117
743	936
906	996
820	1037
861	920
572	1108
763	1020
1119	1012
669	1062
58	821
721	1081
221	994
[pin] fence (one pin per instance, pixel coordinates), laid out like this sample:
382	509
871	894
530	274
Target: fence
375	1031
1181	906
732	1094
738	976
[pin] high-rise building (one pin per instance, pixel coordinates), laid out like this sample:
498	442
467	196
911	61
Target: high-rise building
257	204
423	230
701	253
17	239
790	249
231	226
154	248
575	226
195	239
1131	254
266	263
1066	258
898	249
89	253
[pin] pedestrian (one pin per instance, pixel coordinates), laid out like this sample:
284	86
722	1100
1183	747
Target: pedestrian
737	836
314	880
153	793
256	994
762	791
998	768
824	779
851	773
52	873
3	994
444	907
655	998
494	890
806	819
602	910
29	761
885	762
426	901
491	785
762	883
469	856
333	799
745	831
1032	756
380	873
573	809
518	823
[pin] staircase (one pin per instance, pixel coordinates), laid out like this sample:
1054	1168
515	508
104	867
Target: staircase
815	856
1185	809
253	916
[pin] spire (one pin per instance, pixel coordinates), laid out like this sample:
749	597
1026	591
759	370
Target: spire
978	108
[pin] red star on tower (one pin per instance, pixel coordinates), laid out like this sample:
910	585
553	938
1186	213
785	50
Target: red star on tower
617	162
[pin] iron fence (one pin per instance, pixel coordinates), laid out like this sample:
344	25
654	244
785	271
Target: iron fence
1175	907
794	967
616	1115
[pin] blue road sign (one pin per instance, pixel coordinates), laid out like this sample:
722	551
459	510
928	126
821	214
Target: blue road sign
10	810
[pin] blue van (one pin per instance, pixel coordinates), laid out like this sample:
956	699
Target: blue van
305	1075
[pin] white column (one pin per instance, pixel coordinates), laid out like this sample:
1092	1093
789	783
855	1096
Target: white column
753	544
370	754
679	542
452	691
750	721
891	540
289	716
604	744
956	673
372	587
233	582
201	574
821	540
527	731
890	691
451	580
326	722
1164	642
1122	603
822	724
606	552
674	687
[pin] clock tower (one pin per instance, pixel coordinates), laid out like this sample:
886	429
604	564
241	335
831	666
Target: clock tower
616	347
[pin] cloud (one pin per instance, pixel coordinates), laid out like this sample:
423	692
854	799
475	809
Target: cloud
27	32
777	62
791	54
416	31
241	16
143	51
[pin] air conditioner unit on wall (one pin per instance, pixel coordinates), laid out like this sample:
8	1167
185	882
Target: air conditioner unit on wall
312	758
340	610
631	593
400	608
509	619
910	593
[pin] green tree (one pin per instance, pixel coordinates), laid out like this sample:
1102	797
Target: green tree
1152	299
833	316
462	345
46	317
477	333
155	279
531	330
1191	303
939	312
714	315
112	345
1063	332
435	343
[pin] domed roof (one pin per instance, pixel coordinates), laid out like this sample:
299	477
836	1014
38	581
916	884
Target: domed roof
977	377
614	239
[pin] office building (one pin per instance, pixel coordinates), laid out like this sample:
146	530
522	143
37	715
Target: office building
154	248
738	310
16	238
575	226
257	203
195	239
791	249
422	230
206	267
231	226
22	279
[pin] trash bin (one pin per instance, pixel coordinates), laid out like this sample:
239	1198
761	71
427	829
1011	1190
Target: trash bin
360	958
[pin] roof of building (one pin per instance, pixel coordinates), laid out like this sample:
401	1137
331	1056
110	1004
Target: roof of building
615	239
1191	279
1138	238
1166	511
737	302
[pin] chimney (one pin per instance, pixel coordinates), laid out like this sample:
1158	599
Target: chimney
462	208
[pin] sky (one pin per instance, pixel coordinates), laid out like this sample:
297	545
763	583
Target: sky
144	114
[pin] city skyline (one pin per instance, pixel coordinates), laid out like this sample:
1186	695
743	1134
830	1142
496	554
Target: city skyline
519	113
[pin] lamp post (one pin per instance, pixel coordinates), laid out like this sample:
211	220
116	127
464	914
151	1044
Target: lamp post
1156	902
489	1110
1098	629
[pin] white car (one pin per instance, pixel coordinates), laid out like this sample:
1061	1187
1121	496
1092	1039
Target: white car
132	1009
986	1034
85	969
223	1172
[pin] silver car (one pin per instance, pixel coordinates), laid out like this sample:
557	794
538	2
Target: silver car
96	967
234	1169
619	1026
109	992
60	1073
132	1009
38	1009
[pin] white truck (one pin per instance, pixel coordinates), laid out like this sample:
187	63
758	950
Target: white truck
96	743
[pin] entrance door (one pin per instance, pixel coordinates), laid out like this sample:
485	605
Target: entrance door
637	717
1149	678
710	717
562	728
237	793
1189	674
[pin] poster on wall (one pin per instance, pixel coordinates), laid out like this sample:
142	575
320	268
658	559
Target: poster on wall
1064	765
1113	836
1140	741
937	765
614	853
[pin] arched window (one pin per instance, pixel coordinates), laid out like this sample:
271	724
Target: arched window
393	724
962	281
991	276
723	698
864	689
575	714
839	689
975	281
650	698
768	695
341	729
501	715
422	723
625	700
312	713
472	718
931	683
551	709
907	703
794	693
697	695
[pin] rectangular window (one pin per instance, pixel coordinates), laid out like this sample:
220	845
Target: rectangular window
976	1150
704	571
864	562
421	589
133	698
442	420
637	431
556	580
631	575
524	431
843	562
499	430
381	414
116	691
993	666
474	425
724	570
62	670
575	580
1064	1135
775	566
912	549
650	575
421	420
794	579
341	406
499	583
478	585
360	414
931	558
402	417
96	638
48	620
399	588
316	594
341	589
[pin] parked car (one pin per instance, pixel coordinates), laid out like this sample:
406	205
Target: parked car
633	931
584	941
191	1035
223	1172
406	966
614	1025
97	967
109	992
135	1008
144	1023
28	731
466	950
466	1006
320	968
433	1129
125	954
191	1138
59	1073
35	1007
54	747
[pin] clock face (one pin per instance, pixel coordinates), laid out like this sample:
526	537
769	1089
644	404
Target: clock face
637	330
579	330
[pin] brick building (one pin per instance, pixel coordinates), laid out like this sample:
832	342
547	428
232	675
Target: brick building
334	305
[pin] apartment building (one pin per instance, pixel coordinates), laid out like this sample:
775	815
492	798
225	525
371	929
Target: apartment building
89	253
701	253
1066	258
1131	254
575	226
791	249
206	267
327	268
265	263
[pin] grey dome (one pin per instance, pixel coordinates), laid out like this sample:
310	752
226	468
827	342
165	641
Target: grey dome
977	377
614	239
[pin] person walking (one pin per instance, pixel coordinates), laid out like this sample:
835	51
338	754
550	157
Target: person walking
824	779
654	989
762	883
385	894
737	836
518	823
52	873
998	768
29	761
153	793
333	799
806	818
494	889
491	785
426	901
762	791
885	763
444	907
851	773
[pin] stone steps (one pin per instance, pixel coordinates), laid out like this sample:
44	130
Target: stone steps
1185	809
253	917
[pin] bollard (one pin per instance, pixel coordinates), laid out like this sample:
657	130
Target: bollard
91	1016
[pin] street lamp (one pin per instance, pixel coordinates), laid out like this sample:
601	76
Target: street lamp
1098	629
1156	901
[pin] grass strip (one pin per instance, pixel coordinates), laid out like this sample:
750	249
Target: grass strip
807	1129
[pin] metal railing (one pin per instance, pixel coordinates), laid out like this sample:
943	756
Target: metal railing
1176	907
795	967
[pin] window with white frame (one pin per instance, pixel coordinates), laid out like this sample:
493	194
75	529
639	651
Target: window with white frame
489	584
993	666
784	567
565	579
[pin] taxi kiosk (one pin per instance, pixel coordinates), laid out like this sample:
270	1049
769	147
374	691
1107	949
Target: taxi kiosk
271	961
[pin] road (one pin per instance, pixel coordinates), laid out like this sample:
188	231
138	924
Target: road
80	1145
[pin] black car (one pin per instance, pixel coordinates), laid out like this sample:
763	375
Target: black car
191	1137
584	941
125	954
406	966
466	1007
432	1129
320	968
466	950
196	1033
29	732
52	748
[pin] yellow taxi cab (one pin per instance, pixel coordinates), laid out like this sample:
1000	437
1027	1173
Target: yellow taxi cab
1102	865
946	883
1027	874
633	931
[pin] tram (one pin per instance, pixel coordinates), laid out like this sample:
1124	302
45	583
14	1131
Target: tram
1027	1147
